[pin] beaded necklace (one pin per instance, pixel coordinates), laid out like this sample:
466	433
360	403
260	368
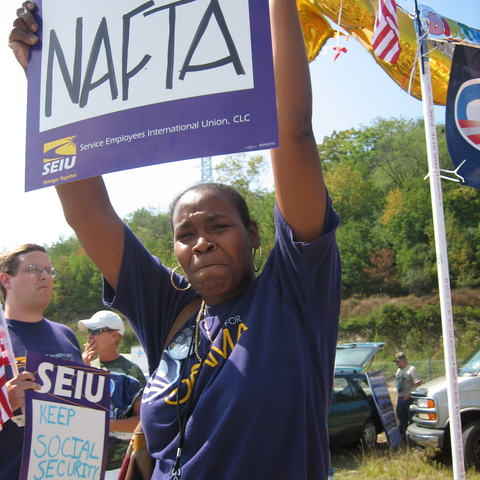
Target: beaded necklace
201	314
182	420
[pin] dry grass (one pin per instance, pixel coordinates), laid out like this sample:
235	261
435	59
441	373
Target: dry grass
385	463
358	307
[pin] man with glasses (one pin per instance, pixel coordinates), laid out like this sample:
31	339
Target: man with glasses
105	332
26	282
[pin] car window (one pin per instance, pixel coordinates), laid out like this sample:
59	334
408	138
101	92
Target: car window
471	366
365	386
353	356
357	391
356	355
342	390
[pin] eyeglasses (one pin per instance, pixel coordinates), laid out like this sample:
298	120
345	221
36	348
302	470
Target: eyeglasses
98	331
37	270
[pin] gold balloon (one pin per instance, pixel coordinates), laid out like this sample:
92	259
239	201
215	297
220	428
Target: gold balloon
358	18
315	27
354	13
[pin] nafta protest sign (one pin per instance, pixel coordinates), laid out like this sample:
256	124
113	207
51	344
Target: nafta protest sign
124	84
66	422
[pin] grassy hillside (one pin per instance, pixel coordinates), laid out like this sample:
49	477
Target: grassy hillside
411	323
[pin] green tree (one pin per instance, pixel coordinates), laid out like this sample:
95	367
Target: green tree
154	230
77	289
353	197
393	324
462	219
354	247
245	173
409	230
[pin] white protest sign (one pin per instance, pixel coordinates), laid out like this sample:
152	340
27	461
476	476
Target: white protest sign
121	84
67	420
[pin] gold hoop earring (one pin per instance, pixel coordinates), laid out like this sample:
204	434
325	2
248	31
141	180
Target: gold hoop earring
260	259
173	283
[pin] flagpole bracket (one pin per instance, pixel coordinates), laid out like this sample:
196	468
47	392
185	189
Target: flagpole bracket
459	178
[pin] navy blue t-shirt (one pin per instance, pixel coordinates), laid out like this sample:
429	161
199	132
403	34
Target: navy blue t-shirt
45	337
260	402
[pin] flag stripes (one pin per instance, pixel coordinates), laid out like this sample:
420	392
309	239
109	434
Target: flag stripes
471	129
5	409
385	40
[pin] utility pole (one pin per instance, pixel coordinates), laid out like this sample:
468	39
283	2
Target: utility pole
207	174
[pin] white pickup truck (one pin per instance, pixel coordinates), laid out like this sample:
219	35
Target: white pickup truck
431	427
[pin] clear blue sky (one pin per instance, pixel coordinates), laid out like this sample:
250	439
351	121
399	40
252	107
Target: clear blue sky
347	93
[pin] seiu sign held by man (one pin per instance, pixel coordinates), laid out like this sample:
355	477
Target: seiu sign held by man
59	439
111	56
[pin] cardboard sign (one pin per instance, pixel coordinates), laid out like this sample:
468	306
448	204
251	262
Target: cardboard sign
121	84
66	422
384	406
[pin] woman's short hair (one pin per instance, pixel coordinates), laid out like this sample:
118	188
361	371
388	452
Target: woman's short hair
229	192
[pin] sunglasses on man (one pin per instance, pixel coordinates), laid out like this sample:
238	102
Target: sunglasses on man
98	331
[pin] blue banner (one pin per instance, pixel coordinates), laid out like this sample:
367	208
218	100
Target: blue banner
463	114
443	29
382	400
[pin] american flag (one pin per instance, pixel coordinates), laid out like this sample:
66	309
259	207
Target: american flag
385	40
6	358
5	409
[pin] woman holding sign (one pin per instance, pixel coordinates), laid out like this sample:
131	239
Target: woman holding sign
243	390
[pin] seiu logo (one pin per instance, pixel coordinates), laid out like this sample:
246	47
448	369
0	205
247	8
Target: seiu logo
59	155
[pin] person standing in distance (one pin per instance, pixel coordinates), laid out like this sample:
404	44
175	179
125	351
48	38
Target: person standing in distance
406	379
105	332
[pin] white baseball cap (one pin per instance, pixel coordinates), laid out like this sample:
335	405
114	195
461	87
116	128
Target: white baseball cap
102	319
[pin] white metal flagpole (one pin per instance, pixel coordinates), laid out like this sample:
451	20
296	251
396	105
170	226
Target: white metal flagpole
442	257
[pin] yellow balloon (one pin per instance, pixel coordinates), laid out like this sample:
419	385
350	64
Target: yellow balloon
315	27
357	17
349	14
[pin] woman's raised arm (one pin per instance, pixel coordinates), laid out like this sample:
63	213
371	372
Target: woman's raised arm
299	185
99	229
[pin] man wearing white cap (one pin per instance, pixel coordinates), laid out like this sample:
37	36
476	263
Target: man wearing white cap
105	332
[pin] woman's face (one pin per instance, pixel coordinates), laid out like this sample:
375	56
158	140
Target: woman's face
213	246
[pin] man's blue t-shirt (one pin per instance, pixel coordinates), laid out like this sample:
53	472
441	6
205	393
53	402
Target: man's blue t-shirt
45	337
258	407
